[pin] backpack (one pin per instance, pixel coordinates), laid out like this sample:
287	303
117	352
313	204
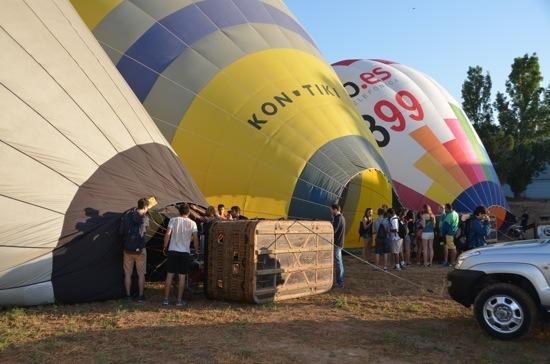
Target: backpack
381	233
129	231
402	229
463	238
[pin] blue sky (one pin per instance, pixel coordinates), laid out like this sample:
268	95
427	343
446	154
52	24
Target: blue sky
438	37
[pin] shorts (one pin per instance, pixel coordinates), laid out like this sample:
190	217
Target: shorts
140	261
396	246
428	236
450	241
367	242
382	246
178	262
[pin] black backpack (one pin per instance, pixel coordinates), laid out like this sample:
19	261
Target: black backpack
463	238
129	231
402	229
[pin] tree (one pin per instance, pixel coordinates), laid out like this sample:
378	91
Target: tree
523	116
476	95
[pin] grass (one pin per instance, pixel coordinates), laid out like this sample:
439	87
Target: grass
376	318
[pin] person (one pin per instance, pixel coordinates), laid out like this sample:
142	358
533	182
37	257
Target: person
365	232
205	224
134	224
222	213
439	238
396	240
428	224
381	229
524	222
478	228
418	237
177	246
410	240
339	225
449	229
235	213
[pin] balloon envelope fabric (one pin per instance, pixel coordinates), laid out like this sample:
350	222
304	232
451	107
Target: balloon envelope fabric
430	146
78	149
243	95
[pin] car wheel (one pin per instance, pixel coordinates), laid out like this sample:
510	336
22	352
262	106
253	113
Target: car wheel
505	311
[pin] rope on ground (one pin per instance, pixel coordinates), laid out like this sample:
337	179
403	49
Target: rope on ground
417	285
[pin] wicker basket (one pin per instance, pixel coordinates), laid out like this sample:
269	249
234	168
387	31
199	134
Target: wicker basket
265	261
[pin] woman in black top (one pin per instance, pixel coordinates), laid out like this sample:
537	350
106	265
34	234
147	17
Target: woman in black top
365	232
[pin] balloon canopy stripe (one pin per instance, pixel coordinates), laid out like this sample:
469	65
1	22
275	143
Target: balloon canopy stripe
168	38
463	152
481	154
315	191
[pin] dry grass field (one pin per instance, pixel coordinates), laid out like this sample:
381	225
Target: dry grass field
375	319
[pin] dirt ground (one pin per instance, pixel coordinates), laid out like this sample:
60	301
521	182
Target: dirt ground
376	319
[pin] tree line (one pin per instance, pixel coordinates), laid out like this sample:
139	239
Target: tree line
515	127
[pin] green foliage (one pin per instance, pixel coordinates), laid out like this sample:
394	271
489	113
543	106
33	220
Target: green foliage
519	144
476	93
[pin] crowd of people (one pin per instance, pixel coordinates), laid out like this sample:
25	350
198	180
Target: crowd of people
397	237
182	238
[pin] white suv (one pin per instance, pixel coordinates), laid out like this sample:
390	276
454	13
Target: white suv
508	284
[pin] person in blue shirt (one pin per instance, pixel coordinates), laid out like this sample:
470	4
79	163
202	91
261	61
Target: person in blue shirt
478	228
428	226
449	228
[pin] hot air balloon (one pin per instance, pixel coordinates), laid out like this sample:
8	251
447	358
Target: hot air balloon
244	97
432	150
78	149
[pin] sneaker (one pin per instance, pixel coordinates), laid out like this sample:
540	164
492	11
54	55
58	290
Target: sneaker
403	264
445	264
397	267
385	269
165	302
141	298
181	304
128	299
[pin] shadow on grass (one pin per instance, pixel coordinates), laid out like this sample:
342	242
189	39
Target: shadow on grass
345	340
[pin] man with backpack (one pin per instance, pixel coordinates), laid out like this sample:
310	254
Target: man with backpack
133	227
382	241
396	239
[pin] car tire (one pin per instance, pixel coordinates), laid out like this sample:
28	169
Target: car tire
505	311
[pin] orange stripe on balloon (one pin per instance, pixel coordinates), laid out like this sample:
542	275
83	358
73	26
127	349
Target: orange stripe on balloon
499	213
427	139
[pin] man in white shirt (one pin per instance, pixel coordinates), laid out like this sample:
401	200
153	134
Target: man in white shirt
396	241
177	246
